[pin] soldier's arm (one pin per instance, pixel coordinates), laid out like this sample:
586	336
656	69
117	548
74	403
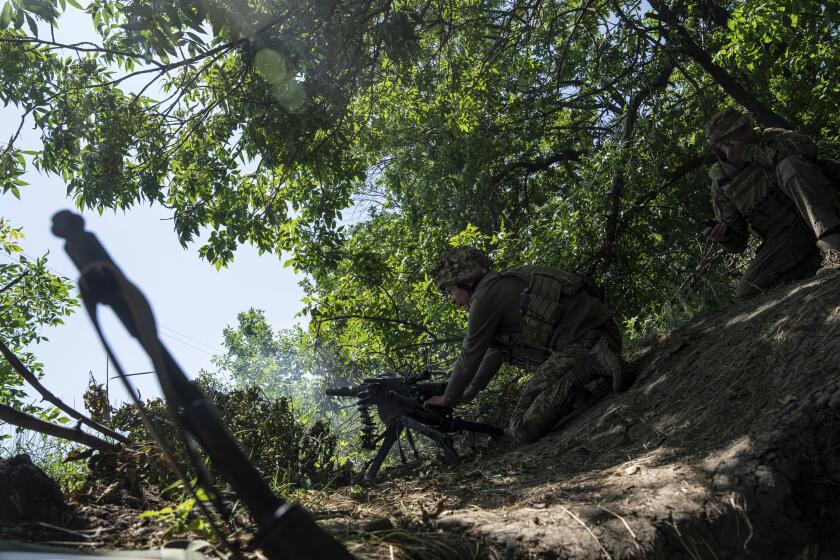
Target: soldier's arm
773	148
490	365
484	321
727	213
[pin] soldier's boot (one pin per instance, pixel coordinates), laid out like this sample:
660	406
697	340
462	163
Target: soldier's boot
608	363
830	262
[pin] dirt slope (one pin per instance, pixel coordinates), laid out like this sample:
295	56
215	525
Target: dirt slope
727	447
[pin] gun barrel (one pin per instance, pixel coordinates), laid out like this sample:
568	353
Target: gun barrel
343	391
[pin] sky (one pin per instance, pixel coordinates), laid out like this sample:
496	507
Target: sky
192	301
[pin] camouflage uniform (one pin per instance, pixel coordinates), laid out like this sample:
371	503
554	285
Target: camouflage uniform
779	193
501	330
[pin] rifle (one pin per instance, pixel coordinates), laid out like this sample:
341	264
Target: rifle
399	404
285	531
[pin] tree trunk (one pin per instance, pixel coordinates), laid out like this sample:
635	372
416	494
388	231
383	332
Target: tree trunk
607	251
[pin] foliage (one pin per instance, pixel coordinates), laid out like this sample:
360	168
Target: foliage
287	447
96	402
258	356
178	520
275	117
31	298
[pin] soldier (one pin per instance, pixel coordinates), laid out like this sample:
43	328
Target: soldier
538	318
767	179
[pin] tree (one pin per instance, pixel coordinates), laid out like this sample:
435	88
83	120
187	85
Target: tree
31	298
564	132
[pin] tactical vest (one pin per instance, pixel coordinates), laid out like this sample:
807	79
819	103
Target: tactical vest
540	303
757	196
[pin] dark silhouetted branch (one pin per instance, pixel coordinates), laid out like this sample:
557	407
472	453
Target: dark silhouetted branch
30	378
536	164
30	422
676	32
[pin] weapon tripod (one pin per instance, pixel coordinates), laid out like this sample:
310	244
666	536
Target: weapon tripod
399	404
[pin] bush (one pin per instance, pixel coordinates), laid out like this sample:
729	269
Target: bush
283	443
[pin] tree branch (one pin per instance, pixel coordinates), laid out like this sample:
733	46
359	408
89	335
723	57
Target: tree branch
49	397
11	284
607	250
30	422
732	86
641	201
536	164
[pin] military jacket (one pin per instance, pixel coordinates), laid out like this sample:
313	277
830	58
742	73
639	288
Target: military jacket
495	332
748	193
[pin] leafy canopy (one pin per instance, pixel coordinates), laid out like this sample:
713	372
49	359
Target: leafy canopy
363	137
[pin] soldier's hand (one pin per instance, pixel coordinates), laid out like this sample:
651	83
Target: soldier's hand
718	233
440	401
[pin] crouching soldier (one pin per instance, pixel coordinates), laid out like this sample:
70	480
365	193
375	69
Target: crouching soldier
538	318
767	180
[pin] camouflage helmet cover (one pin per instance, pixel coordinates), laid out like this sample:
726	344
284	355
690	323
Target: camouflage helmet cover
724	123
460	265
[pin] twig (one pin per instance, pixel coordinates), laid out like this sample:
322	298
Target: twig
743	512
13	282
82	534
429	516
576	518
627	525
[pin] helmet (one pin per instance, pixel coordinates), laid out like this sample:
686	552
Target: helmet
724	123
460	265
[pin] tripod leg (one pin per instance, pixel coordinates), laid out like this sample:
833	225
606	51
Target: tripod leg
450	456
400	447
411	443
391	435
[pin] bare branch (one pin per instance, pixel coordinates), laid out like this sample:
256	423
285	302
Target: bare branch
30	422
30	378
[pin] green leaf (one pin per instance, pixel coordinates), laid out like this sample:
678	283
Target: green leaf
6	16
33	25
75	4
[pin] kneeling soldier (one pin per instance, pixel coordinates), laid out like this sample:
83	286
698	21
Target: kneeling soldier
538	318
768	179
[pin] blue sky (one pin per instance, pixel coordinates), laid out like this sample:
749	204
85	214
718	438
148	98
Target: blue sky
192	301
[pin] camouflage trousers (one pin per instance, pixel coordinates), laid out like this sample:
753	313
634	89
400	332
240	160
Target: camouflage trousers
549	394
791	254
815	197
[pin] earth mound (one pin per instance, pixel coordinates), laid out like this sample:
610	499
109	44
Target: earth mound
27	493
728	446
